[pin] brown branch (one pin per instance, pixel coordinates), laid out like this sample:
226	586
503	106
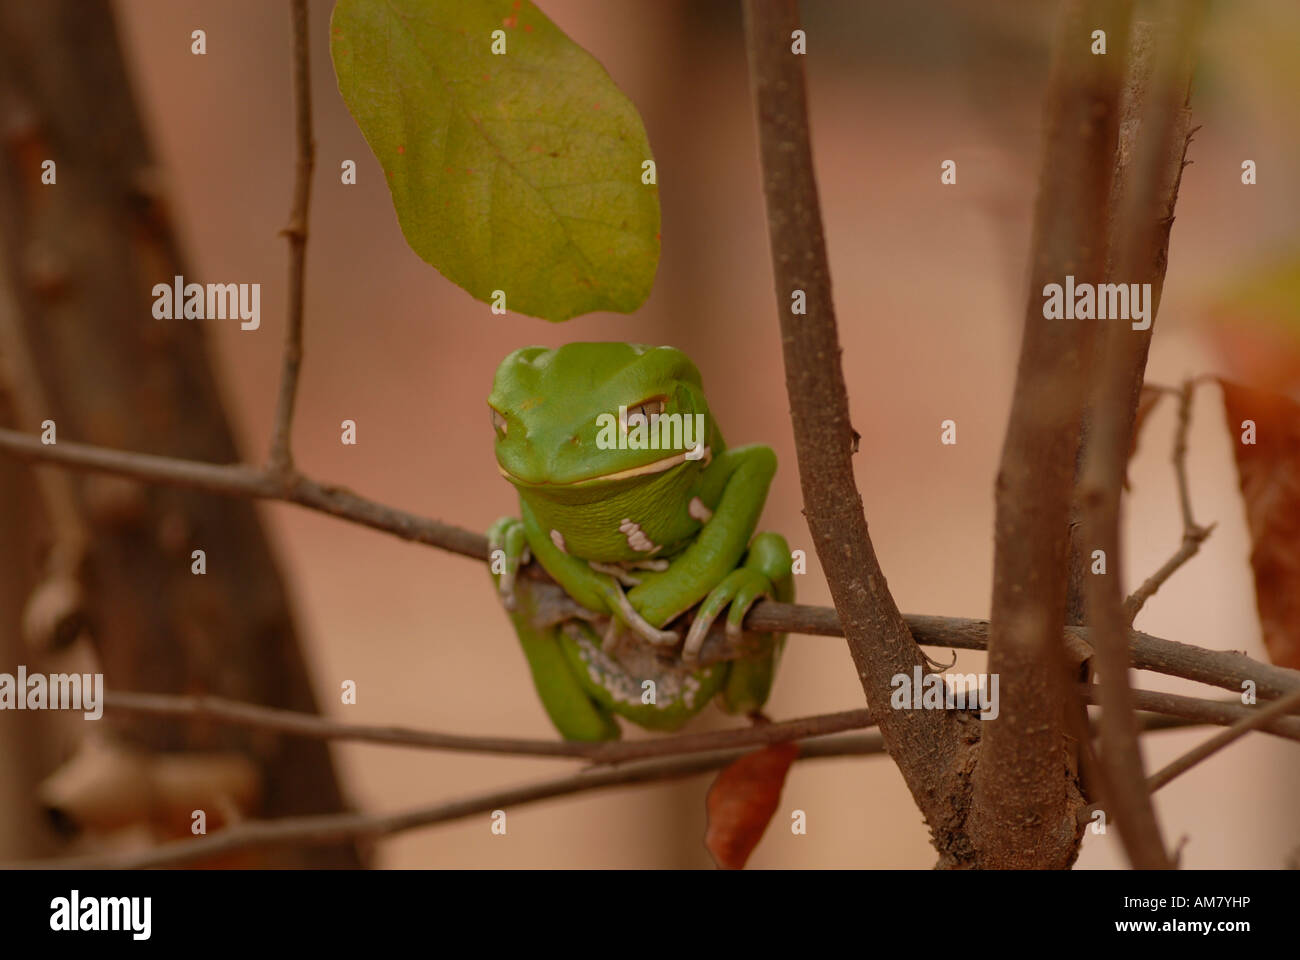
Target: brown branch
1222	713
1270	719
218	710
1145	194
32	405
315	727
1024	798
1231	714
1161	711
1255	720
1221	668
281	457
307	831
1193	535
239	480
922	742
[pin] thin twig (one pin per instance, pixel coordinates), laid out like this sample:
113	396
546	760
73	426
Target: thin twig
319	728
1270	719
291	723
281	458
320	830
1193	535
331	828
240	480
1223	713
1257	718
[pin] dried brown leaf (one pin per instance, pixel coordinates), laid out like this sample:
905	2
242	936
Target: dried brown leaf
1269	472
742	800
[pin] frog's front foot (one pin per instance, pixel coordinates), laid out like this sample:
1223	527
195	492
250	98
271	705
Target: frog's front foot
507	552
740	588
626	615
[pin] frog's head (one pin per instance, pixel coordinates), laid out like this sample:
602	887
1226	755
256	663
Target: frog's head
556	416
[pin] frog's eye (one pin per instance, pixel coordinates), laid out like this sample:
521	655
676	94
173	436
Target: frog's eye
498	421
647	409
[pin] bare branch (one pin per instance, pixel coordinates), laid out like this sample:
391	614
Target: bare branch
308	831
1222	713
1145	193
1024	798
922	742
1193	535
1271	719
292	723
1257	718
319	728
281	458
1161	711
1221	668
238	480
318	830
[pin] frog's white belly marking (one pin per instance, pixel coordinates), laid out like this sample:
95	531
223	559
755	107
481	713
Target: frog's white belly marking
557	538
699	511
636	538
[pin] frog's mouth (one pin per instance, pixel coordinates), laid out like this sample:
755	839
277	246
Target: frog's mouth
645	470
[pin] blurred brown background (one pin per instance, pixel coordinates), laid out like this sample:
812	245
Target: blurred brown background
929	284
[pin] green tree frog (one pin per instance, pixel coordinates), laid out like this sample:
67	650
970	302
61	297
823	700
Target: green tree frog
631	501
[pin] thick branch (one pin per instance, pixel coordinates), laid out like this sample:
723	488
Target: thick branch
1140	240
922	742
82	255
20	372
1024	799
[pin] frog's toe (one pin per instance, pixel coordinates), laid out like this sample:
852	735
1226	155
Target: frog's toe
639	624
617	571
740	589
751	591
508	537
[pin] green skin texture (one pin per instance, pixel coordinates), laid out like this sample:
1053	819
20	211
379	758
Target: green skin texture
546	405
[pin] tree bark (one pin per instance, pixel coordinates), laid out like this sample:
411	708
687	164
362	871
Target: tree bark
1025	790
83	255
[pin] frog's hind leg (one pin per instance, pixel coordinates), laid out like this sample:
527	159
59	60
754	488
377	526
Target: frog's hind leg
575	714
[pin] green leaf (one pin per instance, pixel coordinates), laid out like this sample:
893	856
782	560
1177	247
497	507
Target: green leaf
518	172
